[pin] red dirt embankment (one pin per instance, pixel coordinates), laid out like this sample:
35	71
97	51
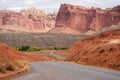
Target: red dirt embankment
101	50
12	61
11	55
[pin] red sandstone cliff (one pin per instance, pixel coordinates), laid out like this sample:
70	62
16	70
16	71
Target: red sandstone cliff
84	19
72	19
31	20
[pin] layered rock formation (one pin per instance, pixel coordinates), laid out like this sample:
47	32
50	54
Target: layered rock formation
30	20
70	19
84	19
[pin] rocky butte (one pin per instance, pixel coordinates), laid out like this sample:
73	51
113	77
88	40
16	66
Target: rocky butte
83	19
28	20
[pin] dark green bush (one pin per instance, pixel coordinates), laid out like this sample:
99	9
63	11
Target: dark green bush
24	48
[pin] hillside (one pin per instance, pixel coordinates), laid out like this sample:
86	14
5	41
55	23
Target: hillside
13	62
101	50
43	40
11	55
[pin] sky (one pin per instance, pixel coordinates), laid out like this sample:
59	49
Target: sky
52	5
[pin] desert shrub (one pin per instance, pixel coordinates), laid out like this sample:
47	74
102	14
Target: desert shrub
17	48
6	66
9	67
22	64
24	48
27	48
13	66
19	63
34	49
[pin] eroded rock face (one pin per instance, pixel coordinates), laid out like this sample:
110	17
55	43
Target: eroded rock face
31	20
84	19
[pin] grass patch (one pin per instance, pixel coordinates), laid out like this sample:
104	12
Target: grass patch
27	48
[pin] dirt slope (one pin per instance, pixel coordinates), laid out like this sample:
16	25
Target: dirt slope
101	50
11	55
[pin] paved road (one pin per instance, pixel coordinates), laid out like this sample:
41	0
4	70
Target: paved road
67	71
56	56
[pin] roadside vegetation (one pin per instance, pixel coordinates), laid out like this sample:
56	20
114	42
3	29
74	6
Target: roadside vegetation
35	48
28	48
14	66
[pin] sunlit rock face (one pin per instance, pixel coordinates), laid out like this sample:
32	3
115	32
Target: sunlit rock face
84	19
28	20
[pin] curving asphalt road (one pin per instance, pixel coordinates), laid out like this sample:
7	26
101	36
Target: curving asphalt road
67	71
55	55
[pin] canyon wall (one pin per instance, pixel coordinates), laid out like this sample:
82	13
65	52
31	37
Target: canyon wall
29	20
70	19
84	19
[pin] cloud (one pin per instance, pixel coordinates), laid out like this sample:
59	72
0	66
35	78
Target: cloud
51	5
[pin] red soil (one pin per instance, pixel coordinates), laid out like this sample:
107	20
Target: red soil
10	54
102	50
